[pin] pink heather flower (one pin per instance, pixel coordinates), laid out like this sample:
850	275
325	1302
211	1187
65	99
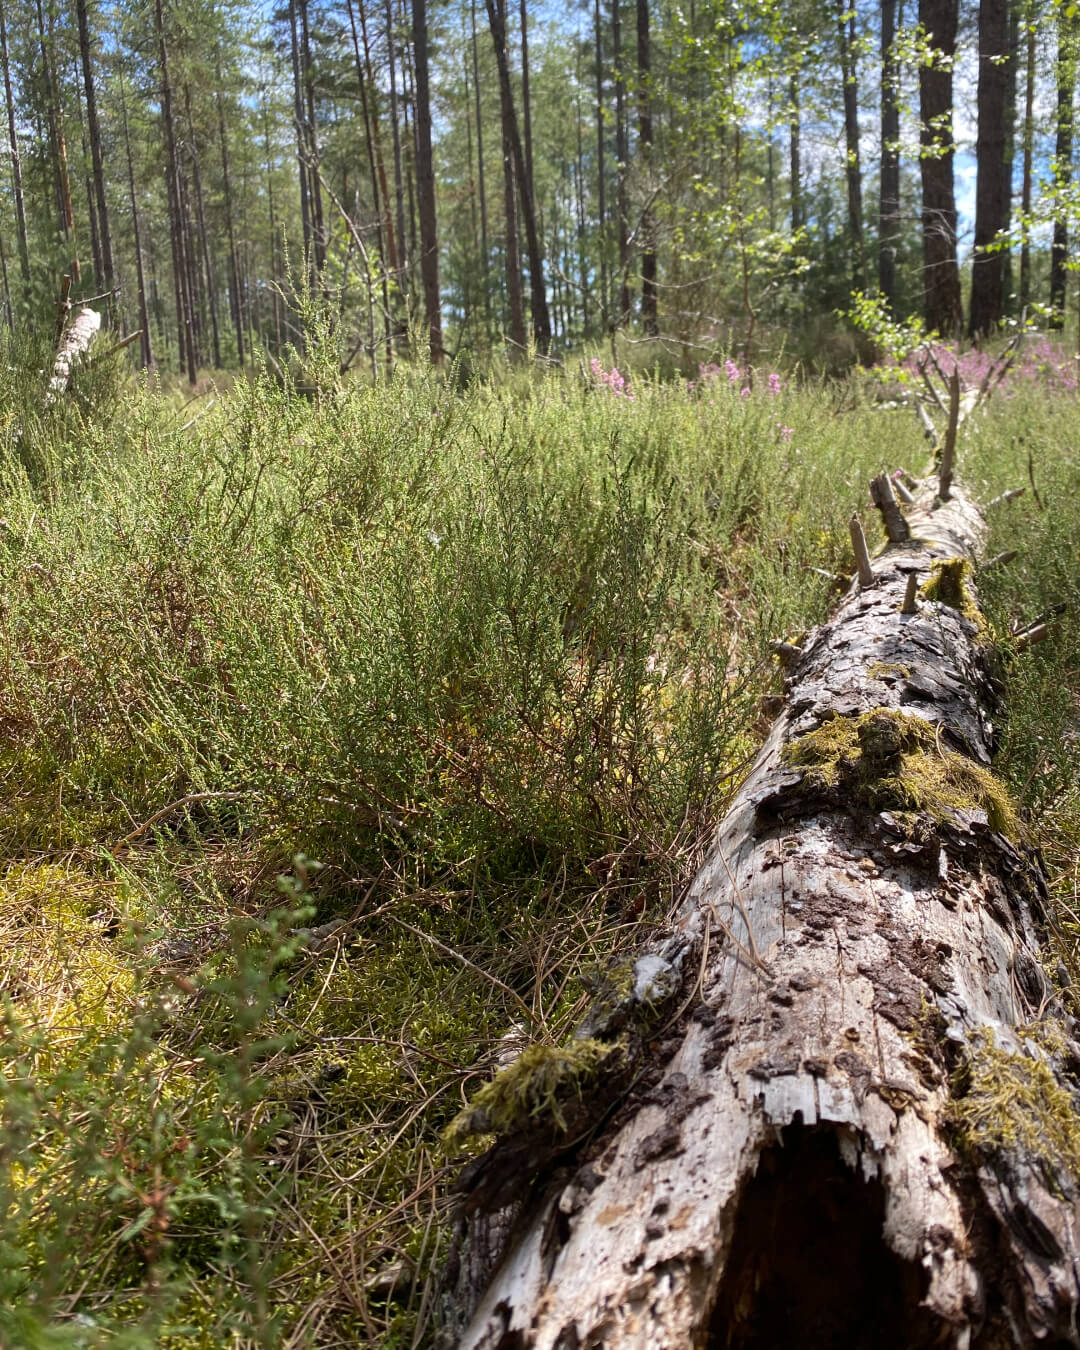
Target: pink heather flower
732	371
744	392
774	383
786	433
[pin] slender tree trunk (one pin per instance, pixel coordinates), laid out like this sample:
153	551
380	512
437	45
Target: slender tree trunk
579	212
822	1110
526	102
395	133
9	314
16	162
519	338
941	274
311	137
51	103
484	254
56	130
425	183
795	169
184	318
889	201
649	318
303	168
992	183
601	184
88	180
1012	85
1029	149
1063	144
204	234
852	166
622	163
236	299
94	129
541	319
146	351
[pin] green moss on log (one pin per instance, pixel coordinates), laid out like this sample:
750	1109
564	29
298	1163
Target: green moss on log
1008	1101
535	1091
890	760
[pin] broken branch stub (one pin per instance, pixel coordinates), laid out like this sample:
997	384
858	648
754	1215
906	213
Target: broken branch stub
839	1106
884	498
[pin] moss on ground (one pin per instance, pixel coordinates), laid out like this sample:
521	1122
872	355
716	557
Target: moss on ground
892	760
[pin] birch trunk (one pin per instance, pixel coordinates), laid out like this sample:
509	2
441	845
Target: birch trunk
833	1104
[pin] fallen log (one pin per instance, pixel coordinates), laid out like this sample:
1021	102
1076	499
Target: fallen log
73	344
833	1105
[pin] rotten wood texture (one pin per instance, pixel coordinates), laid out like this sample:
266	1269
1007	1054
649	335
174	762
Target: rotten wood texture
74	341
780	1162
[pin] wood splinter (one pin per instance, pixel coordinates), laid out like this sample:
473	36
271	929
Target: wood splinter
1009	496
862	554
787	653
910	591
902	490
884	498
1000	560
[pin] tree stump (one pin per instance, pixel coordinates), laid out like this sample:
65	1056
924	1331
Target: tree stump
837	1104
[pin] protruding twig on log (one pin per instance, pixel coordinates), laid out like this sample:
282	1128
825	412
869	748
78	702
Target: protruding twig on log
910	591
930	387
1025	633
63	306
124	342
902	490
1030	636
787	653
1009	496
884	498
929	430
862	554
948	449
1000	560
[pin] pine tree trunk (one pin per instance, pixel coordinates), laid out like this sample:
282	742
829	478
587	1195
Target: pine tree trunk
97	158
184	317
311	140
889	224
16	162
484	254
852	166
649	320
832	1105
236	298
622	152
204	234
302	167
1063	143
1029	149
992	183
541	319
794	155
519	338
941	275
395	135
425	185
601	185
146	350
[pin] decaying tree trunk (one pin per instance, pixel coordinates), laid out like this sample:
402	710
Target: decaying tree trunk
75	338
833	1105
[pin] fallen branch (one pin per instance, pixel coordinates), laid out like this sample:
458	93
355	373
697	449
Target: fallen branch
74	343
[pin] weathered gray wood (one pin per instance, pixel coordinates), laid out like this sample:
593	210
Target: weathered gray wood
781	1162
74	342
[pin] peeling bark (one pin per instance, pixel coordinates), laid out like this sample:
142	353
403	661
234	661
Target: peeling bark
784	1151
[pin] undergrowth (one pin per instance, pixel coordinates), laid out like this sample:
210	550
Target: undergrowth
493	656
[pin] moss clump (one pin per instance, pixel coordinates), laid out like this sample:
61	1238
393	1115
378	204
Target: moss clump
1005	1100
891	760
887	670
949	584
535	1090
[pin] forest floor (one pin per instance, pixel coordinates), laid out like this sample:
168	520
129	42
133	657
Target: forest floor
346	738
